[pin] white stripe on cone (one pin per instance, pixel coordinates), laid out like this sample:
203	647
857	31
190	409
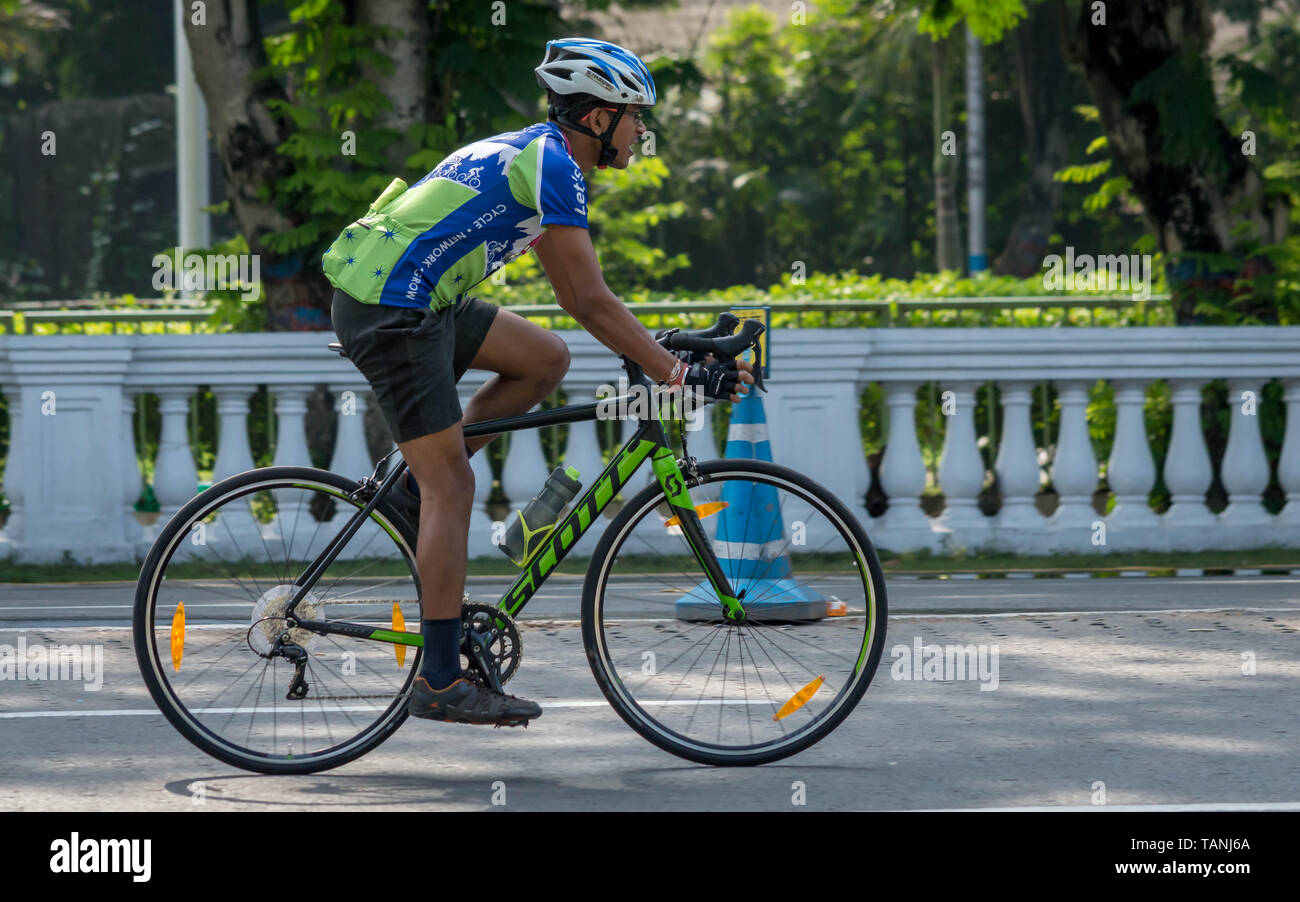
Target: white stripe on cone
747	432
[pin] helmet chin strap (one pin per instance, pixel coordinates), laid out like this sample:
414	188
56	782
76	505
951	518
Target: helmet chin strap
607	150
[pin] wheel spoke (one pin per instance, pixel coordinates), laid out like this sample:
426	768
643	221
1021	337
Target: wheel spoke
217	665
711	690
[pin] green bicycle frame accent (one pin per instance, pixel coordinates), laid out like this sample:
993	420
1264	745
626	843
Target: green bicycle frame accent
648	441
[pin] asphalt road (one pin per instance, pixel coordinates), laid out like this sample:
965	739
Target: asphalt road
1136	684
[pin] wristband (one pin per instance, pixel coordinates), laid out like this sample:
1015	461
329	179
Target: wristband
678	376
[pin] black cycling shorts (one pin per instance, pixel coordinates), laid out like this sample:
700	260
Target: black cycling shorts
412	358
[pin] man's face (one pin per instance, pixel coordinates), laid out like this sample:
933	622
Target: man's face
629	131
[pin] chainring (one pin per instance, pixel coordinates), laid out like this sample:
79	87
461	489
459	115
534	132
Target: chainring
505	648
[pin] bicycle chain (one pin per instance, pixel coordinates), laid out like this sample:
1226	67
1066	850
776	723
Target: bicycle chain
510	632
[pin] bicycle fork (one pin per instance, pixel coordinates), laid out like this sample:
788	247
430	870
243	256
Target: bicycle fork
674	486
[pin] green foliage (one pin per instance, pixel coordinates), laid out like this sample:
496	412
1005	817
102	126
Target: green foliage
626	210
341	158
988	19
1182	95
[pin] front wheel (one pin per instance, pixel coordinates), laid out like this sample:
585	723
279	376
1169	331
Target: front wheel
725	693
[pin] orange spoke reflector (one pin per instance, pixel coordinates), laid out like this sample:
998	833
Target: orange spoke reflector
178	635
701	511
800	698
399	626
836	608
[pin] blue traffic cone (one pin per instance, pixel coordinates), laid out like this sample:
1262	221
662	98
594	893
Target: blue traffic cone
750	539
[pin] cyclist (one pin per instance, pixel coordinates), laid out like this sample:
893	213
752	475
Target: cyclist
402	312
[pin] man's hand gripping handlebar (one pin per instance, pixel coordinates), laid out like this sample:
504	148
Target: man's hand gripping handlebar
710	355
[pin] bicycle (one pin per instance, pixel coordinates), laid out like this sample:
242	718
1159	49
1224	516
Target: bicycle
786	633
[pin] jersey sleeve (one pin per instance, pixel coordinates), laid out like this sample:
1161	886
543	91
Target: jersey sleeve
557	189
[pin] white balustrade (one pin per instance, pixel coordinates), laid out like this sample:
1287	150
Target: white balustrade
1131	471
1288	466
132	533
961	469
351	457
1244	470
67	495
11	536
902	474
1188	471
1074	472
175	478
524	470
1017	465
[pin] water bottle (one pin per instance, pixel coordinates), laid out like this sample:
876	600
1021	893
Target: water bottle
534	523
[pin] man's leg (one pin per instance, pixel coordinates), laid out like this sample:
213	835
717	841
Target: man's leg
446	483
529	363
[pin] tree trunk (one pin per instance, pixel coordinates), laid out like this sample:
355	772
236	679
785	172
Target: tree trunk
1045	111
1206	202
407	45
946	226
227	52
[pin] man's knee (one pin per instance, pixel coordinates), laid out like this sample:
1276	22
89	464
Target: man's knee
553	362
449	484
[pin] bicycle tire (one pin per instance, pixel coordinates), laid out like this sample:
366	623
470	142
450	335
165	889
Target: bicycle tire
640	720
145	632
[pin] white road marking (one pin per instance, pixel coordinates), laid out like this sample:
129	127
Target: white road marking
1188	806
315	709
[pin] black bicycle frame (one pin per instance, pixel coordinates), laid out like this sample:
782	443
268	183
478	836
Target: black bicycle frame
647	441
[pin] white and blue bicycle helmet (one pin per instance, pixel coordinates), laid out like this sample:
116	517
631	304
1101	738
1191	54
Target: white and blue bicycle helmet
603	70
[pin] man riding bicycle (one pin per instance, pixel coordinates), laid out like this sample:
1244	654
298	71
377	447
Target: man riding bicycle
402	312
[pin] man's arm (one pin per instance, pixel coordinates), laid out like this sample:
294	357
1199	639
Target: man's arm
569	260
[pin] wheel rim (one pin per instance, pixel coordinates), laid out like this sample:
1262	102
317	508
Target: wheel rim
233	577
712	688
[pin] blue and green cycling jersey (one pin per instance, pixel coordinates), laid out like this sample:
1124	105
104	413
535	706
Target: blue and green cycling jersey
427	245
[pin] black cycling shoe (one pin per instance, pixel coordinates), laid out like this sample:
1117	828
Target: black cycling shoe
406	501
466	702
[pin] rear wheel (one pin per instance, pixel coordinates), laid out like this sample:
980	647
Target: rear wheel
216	652
725	693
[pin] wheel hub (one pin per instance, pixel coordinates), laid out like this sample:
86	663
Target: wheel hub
268	621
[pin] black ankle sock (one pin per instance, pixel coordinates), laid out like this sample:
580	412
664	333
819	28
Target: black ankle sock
441	665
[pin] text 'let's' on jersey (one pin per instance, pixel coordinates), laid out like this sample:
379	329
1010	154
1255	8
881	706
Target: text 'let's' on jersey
426	245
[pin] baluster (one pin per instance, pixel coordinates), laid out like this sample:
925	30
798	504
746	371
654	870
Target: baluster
294	524
961	469
13	535
524	470
1288	465
351	458
236	532
583	451
1188	471
1074	471
1131	472
1018	472
1244	470
132	533
175	477
233	453
902	474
